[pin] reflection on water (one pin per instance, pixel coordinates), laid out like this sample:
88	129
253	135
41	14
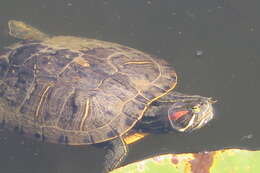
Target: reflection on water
214	47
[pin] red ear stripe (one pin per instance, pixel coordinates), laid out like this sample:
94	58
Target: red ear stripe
177	115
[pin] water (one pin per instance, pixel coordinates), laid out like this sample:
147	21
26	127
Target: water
214	46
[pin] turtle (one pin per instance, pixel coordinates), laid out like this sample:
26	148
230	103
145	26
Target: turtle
81	91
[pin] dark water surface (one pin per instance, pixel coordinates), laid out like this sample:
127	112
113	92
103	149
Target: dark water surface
226	33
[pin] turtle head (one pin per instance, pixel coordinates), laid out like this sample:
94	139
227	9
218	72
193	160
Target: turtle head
190	113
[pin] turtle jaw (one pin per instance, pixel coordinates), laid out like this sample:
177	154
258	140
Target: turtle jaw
191	115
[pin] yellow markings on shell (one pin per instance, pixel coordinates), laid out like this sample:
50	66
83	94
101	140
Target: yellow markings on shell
138	62
41	100
86	112
134	137
146	107
81	61
142	113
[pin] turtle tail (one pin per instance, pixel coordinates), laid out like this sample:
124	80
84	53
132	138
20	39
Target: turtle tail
23	31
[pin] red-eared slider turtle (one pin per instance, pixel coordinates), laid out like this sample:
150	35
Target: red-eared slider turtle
80	91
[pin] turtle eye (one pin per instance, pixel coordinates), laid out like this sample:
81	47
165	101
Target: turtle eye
196	109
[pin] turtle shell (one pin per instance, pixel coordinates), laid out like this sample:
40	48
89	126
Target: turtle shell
78	91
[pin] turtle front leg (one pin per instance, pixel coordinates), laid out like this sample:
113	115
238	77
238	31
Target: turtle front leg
116	153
